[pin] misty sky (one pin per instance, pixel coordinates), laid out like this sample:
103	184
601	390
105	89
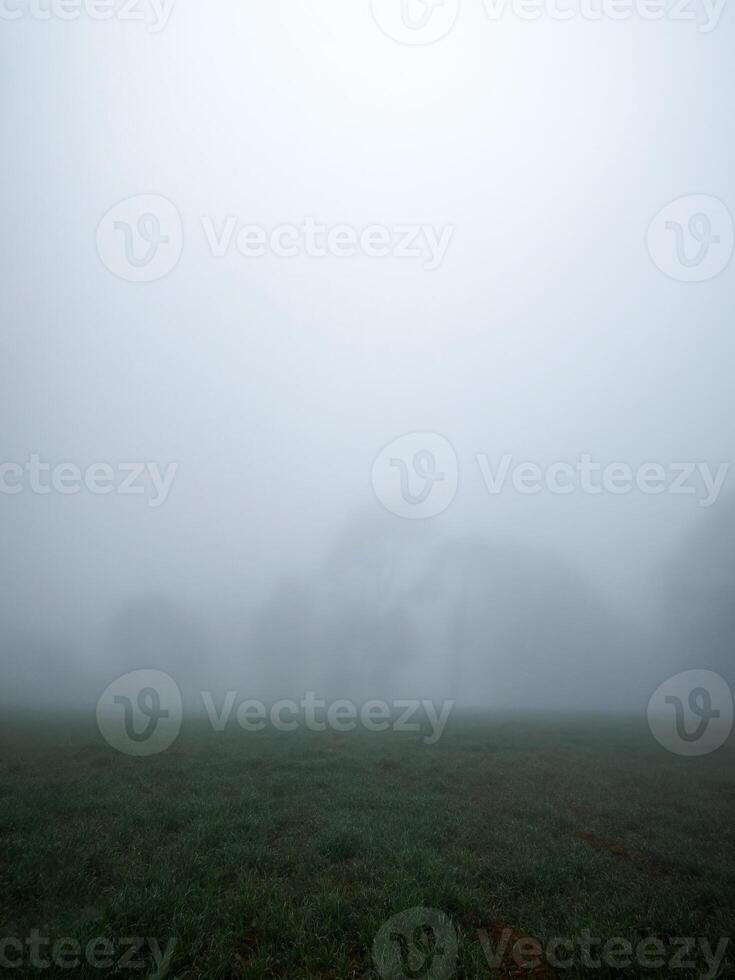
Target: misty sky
547	332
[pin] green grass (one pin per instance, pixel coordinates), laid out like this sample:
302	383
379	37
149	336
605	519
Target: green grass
276	855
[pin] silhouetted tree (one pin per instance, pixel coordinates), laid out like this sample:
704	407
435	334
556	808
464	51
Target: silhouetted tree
153	632
699	595
523	629
282	640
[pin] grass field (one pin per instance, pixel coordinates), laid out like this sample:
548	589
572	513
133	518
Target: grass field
282	855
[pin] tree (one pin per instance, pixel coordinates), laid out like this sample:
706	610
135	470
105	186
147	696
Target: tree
282	639
524	630
152	632
699	595
367	627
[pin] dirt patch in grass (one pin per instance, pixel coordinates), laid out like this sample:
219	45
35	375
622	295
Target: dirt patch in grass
389	765
608	845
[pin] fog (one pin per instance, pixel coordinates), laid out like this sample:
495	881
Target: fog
256	403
